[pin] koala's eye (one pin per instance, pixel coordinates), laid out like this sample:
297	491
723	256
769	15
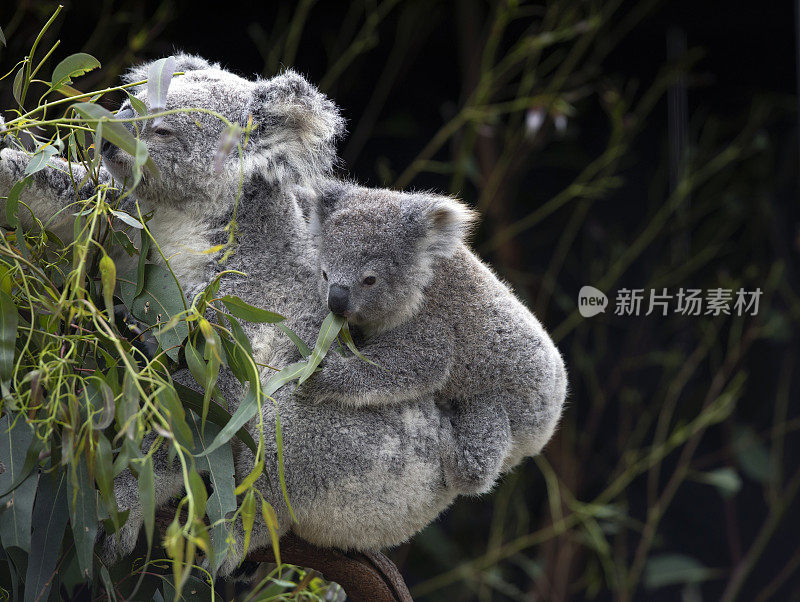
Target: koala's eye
159	131
369	280
324	275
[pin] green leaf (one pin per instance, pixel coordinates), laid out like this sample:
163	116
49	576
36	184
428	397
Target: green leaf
49	521
248	312
40	158
298	342
752	455
159	77
74	65
670	569
108	277
113	131
19	452
2	37
160	296
249	405
12	203
128	405
15	514
19	83
727	480
221	475
216	414
82	499
138	105
348	340
128	219
248	517
147	495
104	475
176	416
211	353
9	318
143	251
328	332
198	489
271	520
257	471
140	159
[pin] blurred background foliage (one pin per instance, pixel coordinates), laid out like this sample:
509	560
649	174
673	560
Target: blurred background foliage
637	144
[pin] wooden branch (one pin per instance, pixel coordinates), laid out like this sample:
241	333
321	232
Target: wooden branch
366	577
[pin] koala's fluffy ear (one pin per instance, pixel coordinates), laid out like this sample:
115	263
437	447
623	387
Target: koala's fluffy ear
183	62
445	223
289	110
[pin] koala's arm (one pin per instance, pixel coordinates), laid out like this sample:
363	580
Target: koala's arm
51	193
412	360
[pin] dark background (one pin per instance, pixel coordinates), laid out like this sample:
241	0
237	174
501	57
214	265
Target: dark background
671	533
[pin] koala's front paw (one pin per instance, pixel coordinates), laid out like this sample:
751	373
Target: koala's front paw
115	546
112	548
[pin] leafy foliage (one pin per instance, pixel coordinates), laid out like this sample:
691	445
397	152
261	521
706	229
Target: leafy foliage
79	395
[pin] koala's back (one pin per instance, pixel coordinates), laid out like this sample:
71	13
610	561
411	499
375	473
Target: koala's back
500	346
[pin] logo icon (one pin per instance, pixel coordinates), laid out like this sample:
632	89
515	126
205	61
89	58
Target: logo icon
591	301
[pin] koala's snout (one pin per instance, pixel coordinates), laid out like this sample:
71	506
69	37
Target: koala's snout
108	149
339	299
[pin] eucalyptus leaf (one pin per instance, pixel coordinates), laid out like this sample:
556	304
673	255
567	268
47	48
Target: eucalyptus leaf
73	66
144	249
19	452
248	312
671	569
216	414
147	495
726	480
328	332
9	319
108	278
15	514
127	218
221	475
112	130
304	350
159	301
12	203
159	77
82	498
138	105
249	405
19	83
40	158
49	522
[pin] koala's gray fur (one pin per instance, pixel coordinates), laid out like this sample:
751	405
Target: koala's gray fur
366	477
436	319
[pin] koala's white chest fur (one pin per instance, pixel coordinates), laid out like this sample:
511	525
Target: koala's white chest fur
185	240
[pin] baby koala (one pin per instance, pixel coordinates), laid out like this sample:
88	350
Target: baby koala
432	317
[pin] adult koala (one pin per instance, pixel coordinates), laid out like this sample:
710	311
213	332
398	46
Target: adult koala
357	478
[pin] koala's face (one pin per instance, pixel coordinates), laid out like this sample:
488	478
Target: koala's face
182	145
295	127
378	250
369	265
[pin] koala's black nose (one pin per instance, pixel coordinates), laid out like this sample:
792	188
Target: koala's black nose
338	299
